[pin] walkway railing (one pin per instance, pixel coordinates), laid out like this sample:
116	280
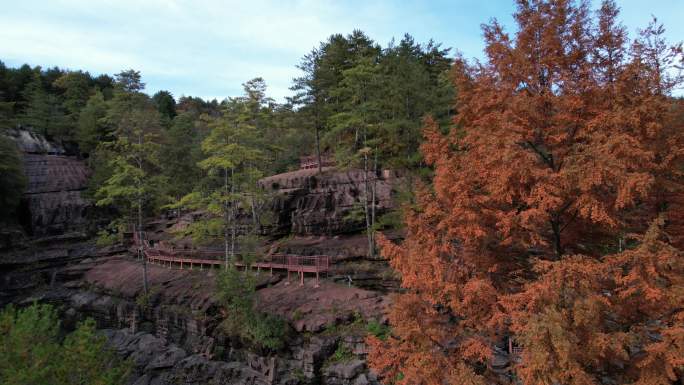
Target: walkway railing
170	257
307	162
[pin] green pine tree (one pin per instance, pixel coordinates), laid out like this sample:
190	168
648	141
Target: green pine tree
233	164
166	105
32	352
92	127
354	132
75	87
12	178
135	185
180	155
43	111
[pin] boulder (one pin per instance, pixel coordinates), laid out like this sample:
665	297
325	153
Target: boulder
341	373
361	380
167	358
142	380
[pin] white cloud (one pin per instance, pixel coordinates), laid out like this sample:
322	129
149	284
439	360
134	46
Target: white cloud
209	47
211	41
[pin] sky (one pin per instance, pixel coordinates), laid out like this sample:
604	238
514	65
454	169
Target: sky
208	48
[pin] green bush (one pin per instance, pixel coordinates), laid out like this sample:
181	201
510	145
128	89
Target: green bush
105	238
267	330
298	374
341	354
31	352
144	299
237	293
377	329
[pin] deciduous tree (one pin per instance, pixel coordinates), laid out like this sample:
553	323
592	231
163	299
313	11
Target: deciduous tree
563	143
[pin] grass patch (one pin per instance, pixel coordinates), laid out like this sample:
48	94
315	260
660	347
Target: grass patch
144	300
299	375
297	315
341	354
377	329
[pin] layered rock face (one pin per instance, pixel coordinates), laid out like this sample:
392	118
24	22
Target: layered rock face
351	264
174	335
53	196
323	213
30	142
54	204
311	203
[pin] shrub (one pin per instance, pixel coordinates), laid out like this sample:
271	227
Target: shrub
377	329
267	331
31	351
341	354
237	293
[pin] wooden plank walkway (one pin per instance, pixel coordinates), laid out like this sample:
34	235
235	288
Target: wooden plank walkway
300	264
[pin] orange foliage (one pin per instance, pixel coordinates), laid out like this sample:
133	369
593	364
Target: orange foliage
567	145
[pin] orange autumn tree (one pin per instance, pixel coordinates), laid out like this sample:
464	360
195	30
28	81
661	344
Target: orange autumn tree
568	145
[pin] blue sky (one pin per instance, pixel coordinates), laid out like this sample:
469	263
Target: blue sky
208	48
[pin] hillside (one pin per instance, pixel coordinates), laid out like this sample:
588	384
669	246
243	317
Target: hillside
403	216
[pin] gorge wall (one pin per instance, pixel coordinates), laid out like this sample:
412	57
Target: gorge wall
316	213
329	203
53	204
174	335
323	213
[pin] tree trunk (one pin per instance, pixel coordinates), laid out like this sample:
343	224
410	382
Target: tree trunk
255	218
252	198
555	227
369	230
140	201
233	215
318	143
225	218
142	245
373	195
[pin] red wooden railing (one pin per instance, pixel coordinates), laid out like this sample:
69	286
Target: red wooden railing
306	162
514	351
170	257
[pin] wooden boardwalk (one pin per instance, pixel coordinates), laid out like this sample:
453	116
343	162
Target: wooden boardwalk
179	258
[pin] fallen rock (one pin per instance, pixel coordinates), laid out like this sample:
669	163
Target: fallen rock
341	373
167	359
361	380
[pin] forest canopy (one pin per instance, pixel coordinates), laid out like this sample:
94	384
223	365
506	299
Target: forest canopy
34	350
354	95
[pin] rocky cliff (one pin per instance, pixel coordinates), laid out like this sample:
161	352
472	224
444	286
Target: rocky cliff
307	202
317	214
54	201
53	204
174	335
